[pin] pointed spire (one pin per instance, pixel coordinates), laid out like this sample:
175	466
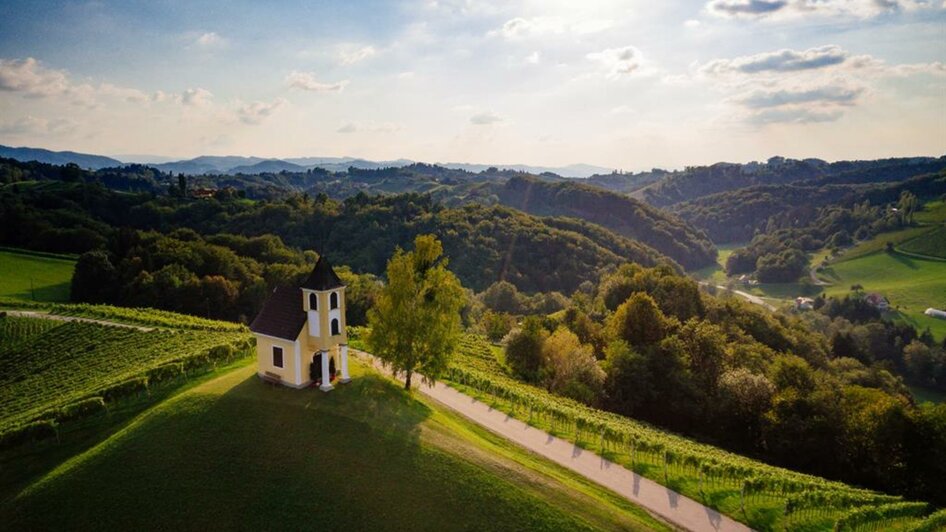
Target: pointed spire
323	277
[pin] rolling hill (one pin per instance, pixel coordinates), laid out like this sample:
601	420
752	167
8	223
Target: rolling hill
700	181
84	160
364	456
623	215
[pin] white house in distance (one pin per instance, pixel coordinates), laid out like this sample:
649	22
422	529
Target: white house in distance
804	303
300	332
935	313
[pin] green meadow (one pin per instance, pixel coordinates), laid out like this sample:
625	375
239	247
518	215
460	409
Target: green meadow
910	284
33	276
365	456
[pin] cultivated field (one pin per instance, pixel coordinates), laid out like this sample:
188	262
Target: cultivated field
762	496
47	364
30	276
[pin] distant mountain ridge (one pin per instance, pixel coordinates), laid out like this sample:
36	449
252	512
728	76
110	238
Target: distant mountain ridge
234	164
84	160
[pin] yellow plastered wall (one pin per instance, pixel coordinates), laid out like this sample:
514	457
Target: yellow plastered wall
264	358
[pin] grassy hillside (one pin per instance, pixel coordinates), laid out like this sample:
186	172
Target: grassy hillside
910	284
931	244
46	364
236	454
35	276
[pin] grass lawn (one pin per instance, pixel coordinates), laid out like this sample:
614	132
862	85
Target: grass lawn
716	273
28	276
233	453
933	212
910	284
931	243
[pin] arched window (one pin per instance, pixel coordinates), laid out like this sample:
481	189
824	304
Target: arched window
313	301
335	328
333	300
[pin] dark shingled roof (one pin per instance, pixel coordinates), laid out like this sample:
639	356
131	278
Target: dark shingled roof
282	315
323	277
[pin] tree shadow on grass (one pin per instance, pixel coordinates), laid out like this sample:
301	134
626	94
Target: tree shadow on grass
370	399
906	261
53	293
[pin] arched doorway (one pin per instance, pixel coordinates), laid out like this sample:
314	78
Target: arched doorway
315	369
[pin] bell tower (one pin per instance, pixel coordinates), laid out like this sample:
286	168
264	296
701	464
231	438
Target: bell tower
325	337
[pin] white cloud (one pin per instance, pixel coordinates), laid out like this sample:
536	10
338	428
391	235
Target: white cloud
522	28
210	40
369	127
351	56
831	59
485	118
781	9
533	58
692	23
254	113
29	77
823	95
779	61
196	97
794	115
936	68
36	125
623	110
618	62
751	8
306	81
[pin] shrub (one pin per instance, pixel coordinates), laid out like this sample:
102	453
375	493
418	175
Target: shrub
37	430
131	386
166	372
220	354
81	409
196	363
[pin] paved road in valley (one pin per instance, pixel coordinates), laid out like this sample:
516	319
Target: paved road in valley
745	295
668	504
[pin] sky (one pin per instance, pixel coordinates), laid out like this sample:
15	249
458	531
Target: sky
630	85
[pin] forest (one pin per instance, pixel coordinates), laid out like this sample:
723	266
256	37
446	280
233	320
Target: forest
819	394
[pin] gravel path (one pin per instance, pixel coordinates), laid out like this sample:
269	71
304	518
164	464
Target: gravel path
47	316
668	504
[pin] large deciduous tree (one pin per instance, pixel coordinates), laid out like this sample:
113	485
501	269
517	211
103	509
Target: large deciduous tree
415	323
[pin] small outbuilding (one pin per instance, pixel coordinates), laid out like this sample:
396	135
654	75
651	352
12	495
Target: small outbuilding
804	303
877	301
300	332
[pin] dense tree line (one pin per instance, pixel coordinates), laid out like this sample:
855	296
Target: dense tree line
701	181
737	216
621	214
779	254
221	276
486	244
737	375
856	330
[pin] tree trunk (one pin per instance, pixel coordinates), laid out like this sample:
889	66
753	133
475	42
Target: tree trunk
407	381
